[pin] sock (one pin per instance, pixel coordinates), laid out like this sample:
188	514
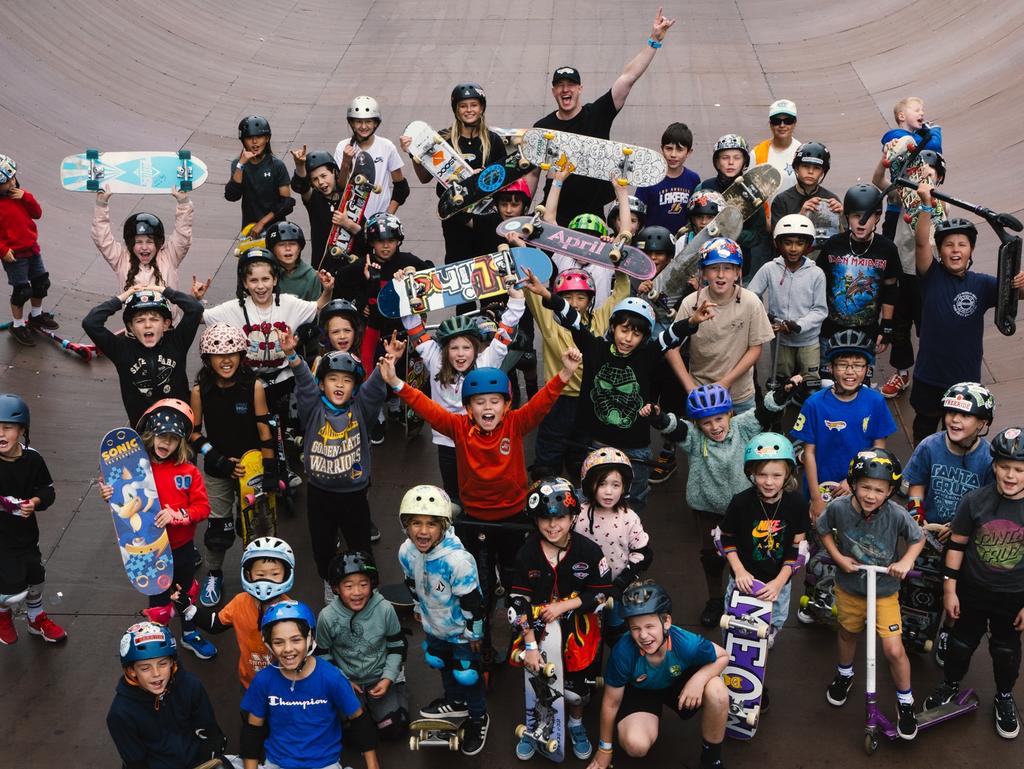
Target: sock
845	670
19	322
35	312
710	753
575	721
34	602
905	698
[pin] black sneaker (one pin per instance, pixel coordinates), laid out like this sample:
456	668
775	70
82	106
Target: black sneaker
663	469
943	693
374	532
22	335
712	613
839	690
474	735
941	642
377	432
906	721
442	708
1007	725
765	700
43	320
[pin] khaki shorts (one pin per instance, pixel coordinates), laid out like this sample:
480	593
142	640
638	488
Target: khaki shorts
853	612
799	360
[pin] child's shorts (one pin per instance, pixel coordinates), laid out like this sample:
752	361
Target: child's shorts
20	568
853	612
21	272
636	700
390	712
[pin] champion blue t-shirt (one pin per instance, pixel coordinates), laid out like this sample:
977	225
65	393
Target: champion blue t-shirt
627	666
666	201
947	476
305	729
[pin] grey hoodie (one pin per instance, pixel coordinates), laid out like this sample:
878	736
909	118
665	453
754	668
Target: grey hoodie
798	296
367	645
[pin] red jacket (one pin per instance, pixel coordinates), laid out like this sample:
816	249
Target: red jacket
181	487
18	232
492	467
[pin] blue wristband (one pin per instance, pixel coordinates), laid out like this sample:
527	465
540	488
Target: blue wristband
557	183
602	745
927	209
293	357
653	43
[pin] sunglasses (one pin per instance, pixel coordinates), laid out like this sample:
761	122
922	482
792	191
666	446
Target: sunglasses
782	120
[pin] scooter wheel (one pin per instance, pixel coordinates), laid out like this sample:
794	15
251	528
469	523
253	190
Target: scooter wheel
870	743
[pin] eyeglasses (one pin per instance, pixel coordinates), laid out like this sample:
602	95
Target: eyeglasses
782	120
858	367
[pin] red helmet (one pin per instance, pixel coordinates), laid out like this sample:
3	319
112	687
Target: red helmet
519	186
168	415
574	280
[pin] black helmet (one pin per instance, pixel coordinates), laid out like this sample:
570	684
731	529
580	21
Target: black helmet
955	227
880	464
352	562
318	158
655	238
141	301
254	255
850	341
1009	444
814	154
464	91
861	199
254	125
458	325
970	398
342	362
552	497
645	597
934	159
340	308
143	224
285	232
384	226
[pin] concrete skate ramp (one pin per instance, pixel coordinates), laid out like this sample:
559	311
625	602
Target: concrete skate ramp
135	75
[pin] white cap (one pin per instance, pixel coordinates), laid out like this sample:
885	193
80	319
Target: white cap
782	107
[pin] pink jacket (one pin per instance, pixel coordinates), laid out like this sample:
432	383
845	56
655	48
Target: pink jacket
168	258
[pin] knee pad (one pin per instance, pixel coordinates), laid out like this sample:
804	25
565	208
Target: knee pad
958	650
576	692
1005	657
437	663
465	672
220	534
393	725
712	563
40	285
13	599
21	294
161	615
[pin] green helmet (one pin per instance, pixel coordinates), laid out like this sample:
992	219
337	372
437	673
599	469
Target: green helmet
589	223
767	446
458	325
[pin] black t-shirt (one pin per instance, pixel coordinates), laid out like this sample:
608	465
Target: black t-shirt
259	188
853	281
763	535
581	194
320	210
229	415
23	478
792	200
582	571
994	525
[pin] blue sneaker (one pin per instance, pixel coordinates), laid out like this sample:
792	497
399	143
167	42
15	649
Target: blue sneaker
198	645
210	595
525	749
581	746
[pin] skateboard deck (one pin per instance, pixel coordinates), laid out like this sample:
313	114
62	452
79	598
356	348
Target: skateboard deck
258	505
438	157
579	245
141	173
435	733
247	239
597	158
416	376
752	189
145	547
397	594
362	182
921	597
746	623
476	189
452	284
545	700
818	600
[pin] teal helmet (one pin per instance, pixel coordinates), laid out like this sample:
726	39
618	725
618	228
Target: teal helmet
768	446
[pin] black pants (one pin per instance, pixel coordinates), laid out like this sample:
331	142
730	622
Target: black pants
448	463
927	402
184	573
984	612
458	247
332	511
906	316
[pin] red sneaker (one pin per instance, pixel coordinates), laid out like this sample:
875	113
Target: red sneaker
47	628
8	635
895	385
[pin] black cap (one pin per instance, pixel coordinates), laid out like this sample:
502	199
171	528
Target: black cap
566	73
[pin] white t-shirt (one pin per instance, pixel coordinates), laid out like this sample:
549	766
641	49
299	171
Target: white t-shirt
386	159
783	160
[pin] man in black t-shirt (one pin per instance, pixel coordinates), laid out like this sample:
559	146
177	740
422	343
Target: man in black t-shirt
582	194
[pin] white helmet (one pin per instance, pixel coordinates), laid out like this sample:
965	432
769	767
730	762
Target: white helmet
426	500
794	224
268	547
363	108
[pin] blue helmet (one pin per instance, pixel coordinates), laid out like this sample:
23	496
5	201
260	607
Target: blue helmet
486	380
721	251
268	547
708	401
147	641
635	306
13	410
288	610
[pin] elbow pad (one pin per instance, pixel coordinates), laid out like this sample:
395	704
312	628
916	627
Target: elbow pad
362	732
397	644
472	605
250	744
890	293
300	184
400	192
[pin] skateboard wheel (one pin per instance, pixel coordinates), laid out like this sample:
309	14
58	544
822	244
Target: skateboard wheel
548	670
907	217
622	182
599	682
92	154
520	730
762	631
249	499
185	154
93	185
414	743
336	251
360	179
376	188
615	255
551	746
503	247
545	166
453	742
527	230
458	199
752	715
416	160
627	150
523	163
549	135
438	139
834	611
927	646
724	621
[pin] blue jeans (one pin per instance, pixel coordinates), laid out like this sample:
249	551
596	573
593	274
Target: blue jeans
473	695
780	608
747	405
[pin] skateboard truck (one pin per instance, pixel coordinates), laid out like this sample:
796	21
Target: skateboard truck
95	170
505	266
625	167
620	240
415	293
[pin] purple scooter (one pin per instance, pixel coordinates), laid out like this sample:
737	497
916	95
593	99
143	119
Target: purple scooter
877	722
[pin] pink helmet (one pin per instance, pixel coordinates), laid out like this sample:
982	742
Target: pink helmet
574	280
223	339
518	186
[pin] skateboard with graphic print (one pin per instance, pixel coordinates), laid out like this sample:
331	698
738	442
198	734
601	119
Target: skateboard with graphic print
362	183
258	506
597	158
747	623
139	173
470	192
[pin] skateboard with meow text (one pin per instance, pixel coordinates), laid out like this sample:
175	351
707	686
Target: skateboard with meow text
362	182
139	173
597	158
747	623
